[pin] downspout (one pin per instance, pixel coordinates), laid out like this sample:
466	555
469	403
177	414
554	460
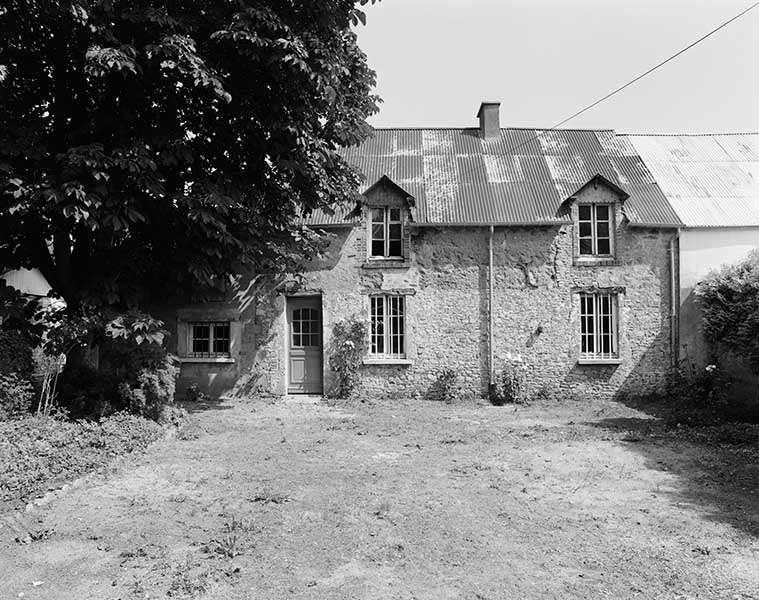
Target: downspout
491	279
674	302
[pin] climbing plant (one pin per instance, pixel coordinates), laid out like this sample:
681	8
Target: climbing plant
346	354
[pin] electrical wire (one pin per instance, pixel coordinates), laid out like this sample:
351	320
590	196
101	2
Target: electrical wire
638	78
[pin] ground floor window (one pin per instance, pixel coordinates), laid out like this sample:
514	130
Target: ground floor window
598	326
388	327
209	339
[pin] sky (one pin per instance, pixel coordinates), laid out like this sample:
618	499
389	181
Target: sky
436	60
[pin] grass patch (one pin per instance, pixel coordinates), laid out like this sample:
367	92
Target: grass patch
38	452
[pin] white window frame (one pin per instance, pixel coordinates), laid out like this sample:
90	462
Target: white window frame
211	338
594	237
390	326
386	223
592	338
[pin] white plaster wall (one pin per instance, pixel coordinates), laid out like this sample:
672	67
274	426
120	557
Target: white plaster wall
702	251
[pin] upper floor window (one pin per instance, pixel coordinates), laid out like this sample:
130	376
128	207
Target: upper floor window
595	223
386	228
209	339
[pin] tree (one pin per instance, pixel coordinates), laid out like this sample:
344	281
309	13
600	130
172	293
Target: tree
151	148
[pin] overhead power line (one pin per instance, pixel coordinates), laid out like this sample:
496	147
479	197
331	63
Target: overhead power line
638	78
652	69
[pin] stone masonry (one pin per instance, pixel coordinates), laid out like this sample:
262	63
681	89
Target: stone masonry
537	280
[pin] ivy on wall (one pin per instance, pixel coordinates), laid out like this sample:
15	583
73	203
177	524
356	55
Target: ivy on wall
346	355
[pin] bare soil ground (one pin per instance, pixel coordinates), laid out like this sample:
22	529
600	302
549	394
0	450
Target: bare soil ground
401	500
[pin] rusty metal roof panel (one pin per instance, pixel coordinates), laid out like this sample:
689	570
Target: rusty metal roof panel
343	215
521	176
710	180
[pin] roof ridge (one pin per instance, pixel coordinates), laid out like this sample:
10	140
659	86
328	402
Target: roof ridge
713	134
502	129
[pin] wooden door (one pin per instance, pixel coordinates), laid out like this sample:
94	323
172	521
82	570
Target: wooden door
304	324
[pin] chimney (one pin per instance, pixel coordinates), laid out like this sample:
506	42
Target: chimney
490	127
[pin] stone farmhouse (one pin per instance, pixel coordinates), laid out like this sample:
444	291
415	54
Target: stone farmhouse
470	247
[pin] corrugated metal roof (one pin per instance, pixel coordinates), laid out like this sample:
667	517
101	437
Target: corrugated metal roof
710	180
523	176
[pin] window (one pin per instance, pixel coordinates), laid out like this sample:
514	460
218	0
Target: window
306	328
388	328
209	339
598	323
595	229
387	233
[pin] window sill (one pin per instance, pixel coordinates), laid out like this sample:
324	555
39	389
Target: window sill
386	263
595	261
388	361
225	360
599	361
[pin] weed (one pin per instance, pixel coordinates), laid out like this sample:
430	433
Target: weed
189	582
448	380
229	546
383	510
509	387
271	498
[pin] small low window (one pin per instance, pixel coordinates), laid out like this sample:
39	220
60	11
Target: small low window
386	227
388	327
595	229
598	327
209	339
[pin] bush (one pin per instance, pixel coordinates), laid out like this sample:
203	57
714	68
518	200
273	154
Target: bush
16	395
730	308
699	395
509	387
136	378
16	368
449	385
16	354
346	356
152	391
86	392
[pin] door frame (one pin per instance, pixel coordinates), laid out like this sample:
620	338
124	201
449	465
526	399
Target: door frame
317	298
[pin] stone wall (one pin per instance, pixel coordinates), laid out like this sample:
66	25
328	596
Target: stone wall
445	282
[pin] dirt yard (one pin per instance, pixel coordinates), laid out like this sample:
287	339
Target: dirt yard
402	500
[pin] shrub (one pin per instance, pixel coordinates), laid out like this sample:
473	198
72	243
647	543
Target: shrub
151	392
140	380
16	354
86	392
699	395
16	369
16	395
509	387
346	355
449	385
730	308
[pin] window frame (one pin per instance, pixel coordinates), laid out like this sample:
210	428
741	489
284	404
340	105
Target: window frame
599	332
212	338
387	223
594	235
390	327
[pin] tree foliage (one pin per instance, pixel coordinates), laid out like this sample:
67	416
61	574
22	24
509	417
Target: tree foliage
159	147
730	308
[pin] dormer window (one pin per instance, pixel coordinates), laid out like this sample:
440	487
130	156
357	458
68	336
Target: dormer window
386	228
595	229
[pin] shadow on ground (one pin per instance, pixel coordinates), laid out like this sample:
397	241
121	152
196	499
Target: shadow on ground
199	406
717	464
